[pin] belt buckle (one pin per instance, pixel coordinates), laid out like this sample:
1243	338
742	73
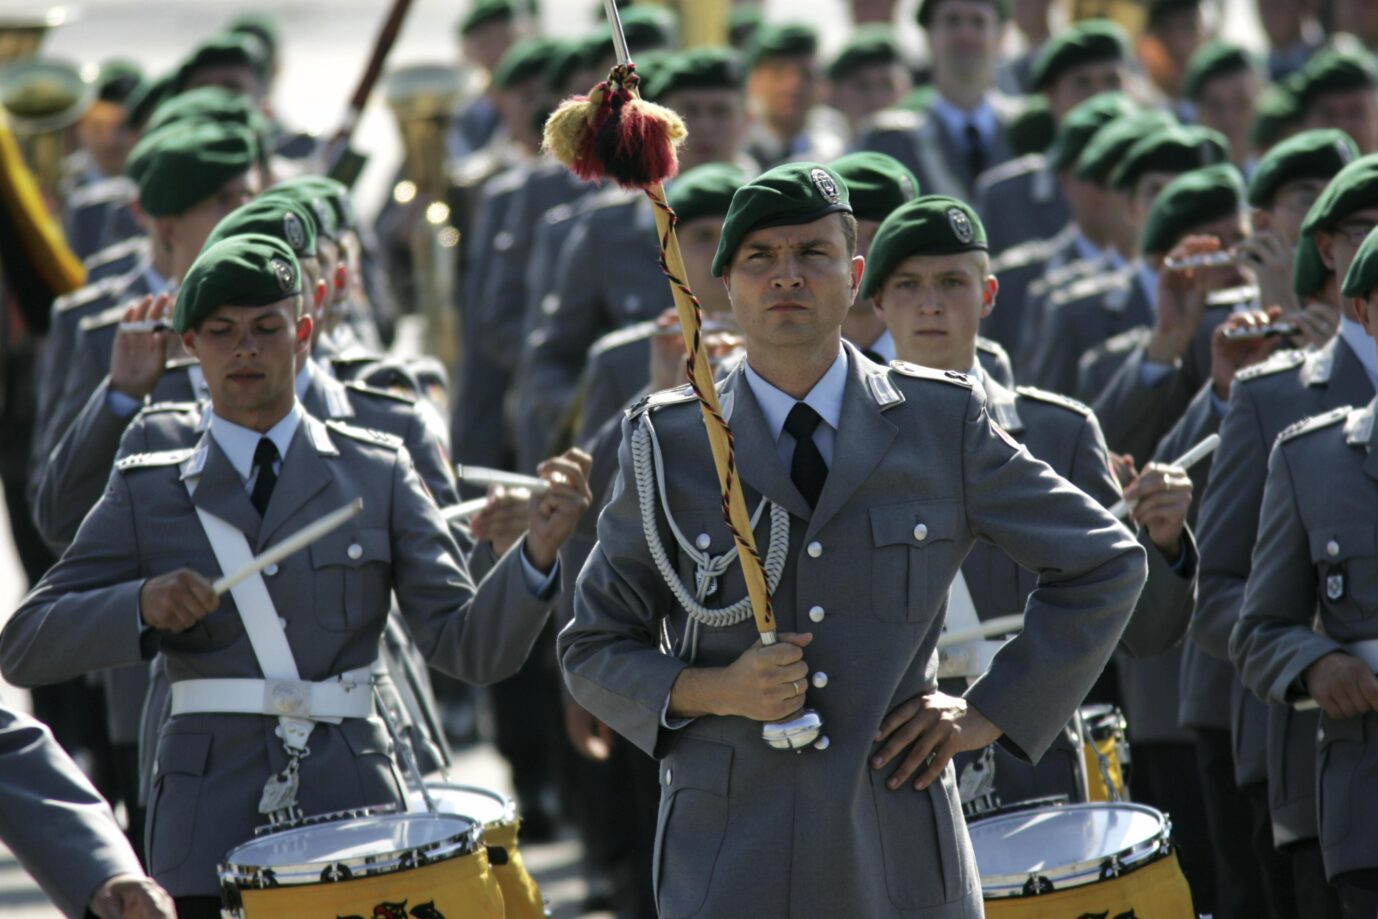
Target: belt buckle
287	698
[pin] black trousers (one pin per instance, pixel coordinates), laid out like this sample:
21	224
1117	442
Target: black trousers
1162	774
1358	892
1279	889
1316	899
1238	877
198	907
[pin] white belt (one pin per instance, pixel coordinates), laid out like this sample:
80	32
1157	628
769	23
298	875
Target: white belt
348	695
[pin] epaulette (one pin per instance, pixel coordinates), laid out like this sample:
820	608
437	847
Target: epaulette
952	377
891	120
367	435
355	355
158	408
134	245
1024	254
159	458
1023	165
662	398
1087	286
472	170
559	213
612	196
1290	359
636	332
991	346
108	316
1054	398
404	397
114	188
509	180
1314	423
1119	343
85	295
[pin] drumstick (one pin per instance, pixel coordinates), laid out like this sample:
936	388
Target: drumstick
479	475
1305	705
1001	625
466	509
298	540
1193	456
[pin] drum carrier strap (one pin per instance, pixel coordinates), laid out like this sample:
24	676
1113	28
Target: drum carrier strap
298	704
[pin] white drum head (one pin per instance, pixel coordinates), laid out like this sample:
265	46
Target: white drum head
1065	846
482	805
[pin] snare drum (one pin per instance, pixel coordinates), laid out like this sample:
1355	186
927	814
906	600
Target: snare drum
497	815
1080	859
425	864
1105	751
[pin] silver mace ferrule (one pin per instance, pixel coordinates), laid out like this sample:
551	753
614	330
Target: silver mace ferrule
803	730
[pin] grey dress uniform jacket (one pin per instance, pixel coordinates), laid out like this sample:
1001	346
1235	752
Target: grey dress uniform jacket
1018	269
1020	201
1312	591
921	141
54	820
919	472
1087	312
335	596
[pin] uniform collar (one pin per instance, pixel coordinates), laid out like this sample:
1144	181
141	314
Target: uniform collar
1363	347
825	398
238	443
1003	402
955	120
885	347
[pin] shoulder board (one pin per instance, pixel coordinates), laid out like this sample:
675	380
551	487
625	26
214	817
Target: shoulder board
472	170
367	435
404	397
355	355
625	336
83	296
1087	286
108	316
1280	361
661	399
1315	423
991	346
505	182
1021	166
1053	398
1124	341
904	368
892	120
158	408
559	213
134	245
115	188
1025	253
599	201
160	458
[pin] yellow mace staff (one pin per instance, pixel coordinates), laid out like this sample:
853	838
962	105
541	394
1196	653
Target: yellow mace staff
613	133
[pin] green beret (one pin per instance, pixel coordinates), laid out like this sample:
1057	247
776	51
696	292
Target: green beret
1317	154
183	164
1354	188
1276	112
566	59
927	8
1033	129
1108	146
1363	271
117	81
743	21
697	68
484	12
146	97
877	183
1081	123
1158	10
1309	273
705	191
1191	200
525	60
210	103
239	50
648	27
260	26
931	225
778	40
238	271
1178	149
313	199
333	192
1087	42
1211	60
871	44
787	195
1336	70
279	216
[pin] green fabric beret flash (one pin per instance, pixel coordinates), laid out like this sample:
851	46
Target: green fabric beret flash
877	183
334	192
705	191
1189	201
239	271
787	195
182	164
1318	154
1087	42
278	216
310	195
931	225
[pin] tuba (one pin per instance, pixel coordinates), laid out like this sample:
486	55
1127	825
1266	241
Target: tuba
22	34
41	98
423	99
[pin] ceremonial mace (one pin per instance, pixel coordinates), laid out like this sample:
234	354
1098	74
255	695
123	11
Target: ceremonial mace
613	133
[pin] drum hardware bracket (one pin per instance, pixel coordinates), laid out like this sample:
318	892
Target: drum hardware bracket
497	855
334	873
1037	885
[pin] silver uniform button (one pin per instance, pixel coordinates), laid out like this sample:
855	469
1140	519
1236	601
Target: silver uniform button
1332	548
669	776
815	549
816	613
921	532
820	679
703	541
282	622
822	743
355	551
271	570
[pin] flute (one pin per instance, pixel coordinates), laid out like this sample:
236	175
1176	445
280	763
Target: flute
479	475
1215	259
1284	329
145	325
1193	456
297	541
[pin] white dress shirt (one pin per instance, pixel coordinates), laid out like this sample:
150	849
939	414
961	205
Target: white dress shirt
1362	345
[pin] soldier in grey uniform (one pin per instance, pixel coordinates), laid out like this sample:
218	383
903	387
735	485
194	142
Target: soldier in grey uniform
783	94
1338	88
137	580
1222	83
1263	401
1089	58
1304	625
868	75
961	132
63	833
853	828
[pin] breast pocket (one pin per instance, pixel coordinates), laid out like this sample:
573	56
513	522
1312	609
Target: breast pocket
914	555
178	775
694	781
351	573
1345	562
705	530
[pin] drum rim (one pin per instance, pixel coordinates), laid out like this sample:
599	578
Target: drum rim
1088	871
509	805
258	877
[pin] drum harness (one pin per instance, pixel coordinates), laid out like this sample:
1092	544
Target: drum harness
298	704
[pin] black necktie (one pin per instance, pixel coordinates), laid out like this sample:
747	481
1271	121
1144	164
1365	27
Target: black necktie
976	150
807	470
265	455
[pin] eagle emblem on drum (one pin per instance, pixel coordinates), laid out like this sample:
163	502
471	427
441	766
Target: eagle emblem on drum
391	910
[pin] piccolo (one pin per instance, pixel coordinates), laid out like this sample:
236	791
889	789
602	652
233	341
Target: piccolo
478	475
1284	329
1215	259
294	543
145	325
1193	456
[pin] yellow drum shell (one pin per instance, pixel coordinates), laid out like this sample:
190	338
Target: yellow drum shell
1158	889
